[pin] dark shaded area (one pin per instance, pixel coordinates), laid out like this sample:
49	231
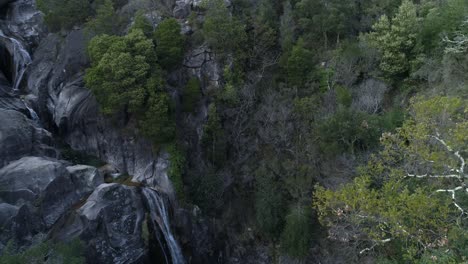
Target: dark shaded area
7	65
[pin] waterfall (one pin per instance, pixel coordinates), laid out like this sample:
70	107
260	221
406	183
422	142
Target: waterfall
159	215
20	56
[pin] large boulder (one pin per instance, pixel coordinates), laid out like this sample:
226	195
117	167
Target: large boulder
35	192
20	136
110	223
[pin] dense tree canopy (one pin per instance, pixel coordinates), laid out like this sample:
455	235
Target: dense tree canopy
414	190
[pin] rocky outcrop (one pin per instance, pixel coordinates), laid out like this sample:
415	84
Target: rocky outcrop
37	191
110	223
20	136
201	63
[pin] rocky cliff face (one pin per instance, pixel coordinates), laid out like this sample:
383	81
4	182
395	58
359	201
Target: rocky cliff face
47	111
43	102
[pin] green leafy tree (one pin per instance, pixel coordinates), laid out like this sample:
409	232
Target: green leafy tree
120	70
321	20
169	44
266	13
106	20
124	77
296	236
442	21
64	14
396	39
158	122
412	195
300	65
222	31
143	24
343	96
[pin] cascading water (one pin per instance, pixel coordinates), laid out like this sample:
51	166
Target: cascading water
159	215
21	58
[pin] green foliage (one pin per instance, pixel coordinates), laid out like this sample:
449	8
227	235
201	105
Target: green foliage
143	24
124	77
64	14
348	131
296	236
397	196
106	20
321	20
233	78
344	96
214	140
222	31
304	107
169	44
266	13
269	203
120	69
191	95
70	252
442	21
176	170
300	65
396	39
158	122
